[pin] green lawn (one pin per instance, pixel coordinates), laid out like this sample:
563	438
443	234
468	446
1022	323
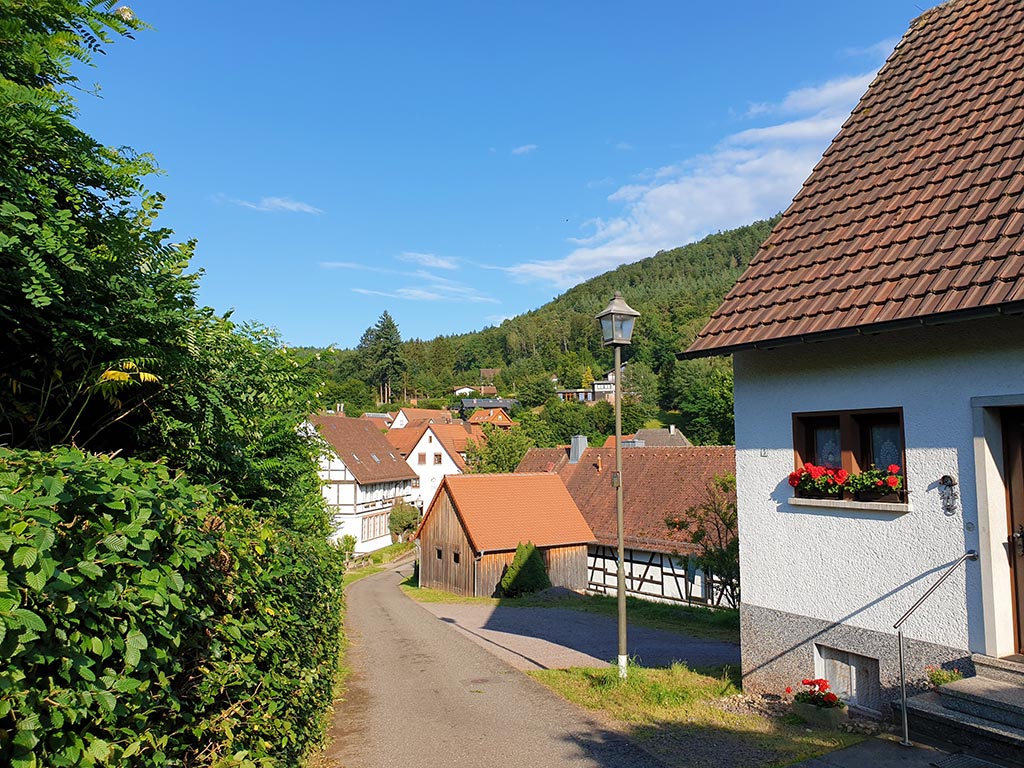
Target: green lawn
682	716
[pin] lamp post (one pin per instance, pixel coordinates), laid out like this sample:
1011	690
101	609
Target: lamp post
616	330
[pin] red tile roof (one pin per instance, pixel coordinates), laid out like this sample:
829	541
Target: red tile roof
404	440
365	452
496	416
417	414
455	438
916	210
500	511
657	483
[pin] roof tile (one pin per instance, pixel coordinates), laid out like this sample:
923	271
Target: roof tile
932	159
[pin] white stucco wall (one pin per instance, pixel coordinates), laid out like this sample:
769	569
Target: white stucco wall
430	474
865	568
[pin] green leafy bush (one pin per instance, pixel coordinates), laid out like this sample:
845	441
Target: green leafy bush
403	519
141	622
526	574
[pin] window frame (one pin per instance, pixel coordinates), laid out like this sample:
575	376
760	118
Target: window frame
438	459
854	439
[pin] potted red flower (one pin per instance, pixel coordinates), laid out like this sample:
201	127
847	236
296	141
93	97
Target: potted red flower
819	705
818	482
875	484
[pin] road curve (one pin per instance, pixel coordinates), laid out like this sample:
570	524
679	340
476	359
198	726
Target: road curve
422	694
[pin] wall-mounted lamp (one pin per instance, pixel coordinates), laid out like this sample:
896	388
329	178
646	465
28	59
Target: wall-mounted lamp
948	494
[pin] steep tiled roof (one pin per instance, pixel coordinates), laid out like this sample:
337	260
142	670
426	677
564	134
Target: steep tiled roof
455	437
417	414
365	451
916	211
496	416
656	483
404	440
500	511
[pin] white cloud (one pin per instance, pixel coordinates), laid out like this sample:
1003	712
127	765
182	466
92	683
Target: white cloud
751	174
429	260
625	146
274	205
425	286
525	149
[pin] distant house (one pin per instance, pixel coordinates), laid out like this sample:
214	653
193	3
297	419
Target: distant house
463	391
433	451
381	420
496	417
487	390
470	404
601	390
407	415
474	523
363	478
652	438
657	483
882	323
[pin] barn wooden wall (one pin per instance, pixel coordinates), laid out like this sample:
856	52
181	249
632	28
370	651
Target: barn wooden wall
444	531
567	567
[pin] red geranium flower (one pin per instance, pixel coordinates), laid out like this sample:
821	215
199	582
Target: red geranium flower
879	482
789	689
842	475
831	698
892	480
893	469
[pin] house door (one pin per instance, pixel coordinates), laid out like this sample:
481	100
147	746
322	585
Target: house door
1013	432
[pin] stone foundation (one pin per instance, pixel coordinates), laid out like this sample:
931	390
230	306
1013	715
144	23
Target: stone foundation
778	650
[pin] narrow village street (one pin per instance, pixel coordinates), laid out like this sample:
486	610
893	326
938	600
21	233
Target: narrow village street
422	693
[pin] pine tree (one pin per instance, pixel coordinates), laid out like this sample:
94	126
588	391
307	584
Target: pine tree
381	350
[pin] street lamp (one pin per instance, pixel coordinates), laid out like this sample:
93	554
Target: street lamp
616	330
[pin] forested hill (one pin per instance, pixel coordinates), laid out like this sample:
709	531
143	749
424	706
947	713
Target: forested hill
675	292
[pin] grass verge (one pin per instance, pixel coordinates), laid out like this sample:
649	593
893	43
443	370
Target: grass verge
677	714
718	624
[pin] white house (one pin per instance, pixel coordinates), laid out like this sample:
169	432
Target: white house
434	451
363	478
881	323
405	416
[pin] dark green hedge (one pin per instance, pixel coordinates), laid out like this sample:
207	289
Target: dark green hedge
142	622
526	574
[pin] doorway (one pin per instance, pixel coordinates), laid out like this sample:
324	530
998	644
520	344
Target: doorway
1013	440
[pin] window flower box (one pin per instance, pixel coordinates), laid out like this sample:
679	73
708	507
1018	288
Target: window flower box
873	484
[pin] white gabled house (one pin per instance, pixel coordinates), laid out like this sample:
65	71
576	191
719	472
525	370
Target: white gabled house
882	322
434	451
363	478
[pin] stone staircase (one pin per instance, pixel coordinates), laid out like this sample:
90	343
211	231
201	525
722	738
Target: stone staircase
982	715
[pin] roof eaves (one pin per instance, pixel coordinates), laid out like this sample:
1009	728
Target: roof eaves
974	313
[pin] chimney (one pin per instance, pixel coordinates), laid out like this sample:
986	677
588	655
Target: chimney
599	463
671	429
576	449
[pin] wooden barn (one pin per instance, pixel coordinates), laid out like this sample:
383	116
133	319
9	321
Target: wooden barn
474	523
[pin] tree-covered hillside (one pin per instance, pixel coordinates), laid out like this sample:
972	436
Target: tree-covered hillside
675	292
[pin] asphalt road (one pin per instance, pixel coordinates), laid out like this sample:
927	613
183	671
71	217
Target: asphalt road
423	694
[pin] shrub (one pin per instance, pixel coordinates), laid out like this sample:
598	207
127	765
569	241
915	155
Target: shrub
938	676
142	622
526	574
403	519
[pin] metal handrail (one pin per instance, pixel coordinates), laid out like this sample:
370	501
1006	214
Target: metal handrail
968	555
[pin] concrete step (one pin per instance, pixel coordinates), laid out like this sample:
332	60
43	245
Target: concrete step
930	721
986	698
1007	670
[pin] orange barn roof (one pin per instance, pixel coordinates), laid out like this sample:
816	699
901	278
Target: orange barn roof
500	511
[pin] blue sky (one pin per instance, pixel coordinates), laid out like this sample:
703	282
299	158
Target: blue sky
458	163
